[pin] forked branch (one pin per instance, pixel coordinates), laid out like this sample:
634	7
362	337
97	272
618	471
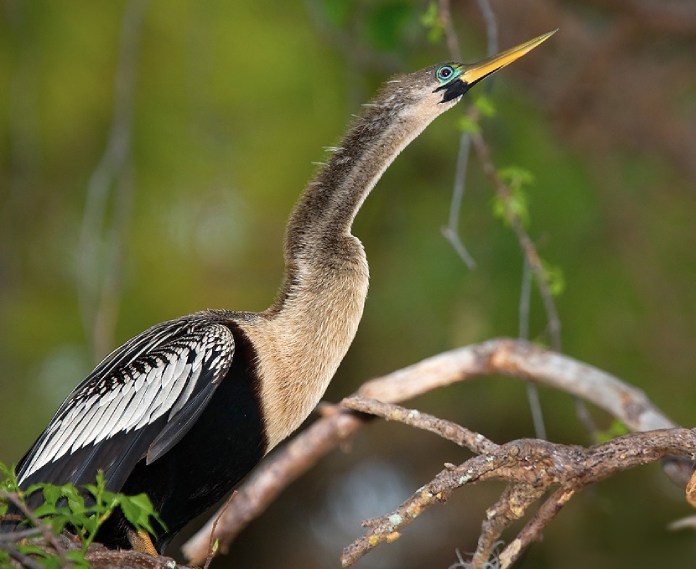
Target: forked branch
532	468
512	358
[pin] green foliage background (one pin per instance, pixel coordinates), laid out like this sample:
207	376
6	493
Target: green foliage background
232	104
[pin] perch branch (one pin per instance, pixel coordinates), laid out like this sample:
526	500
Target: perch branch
513	358
448	430
532	467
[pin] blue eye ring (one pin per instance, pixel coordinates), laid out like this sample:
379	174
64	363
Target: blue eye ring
446	73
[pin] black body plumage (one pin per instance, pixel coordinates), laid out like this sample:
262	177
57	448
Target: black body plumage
183	458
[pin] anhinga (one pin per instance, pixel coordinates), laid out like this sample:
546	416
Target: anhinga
184	410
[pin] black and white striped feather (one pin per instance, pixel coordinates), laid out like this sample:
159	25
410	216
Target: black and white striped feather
153	388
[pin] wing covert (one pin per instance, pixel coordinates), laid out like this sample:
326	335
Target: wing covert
152	389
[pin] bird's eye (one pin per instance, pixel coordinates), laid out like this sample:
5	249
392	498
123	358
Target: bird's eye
445	73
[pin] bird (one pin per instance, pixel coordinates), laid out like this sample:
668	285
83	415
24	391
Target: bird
184	410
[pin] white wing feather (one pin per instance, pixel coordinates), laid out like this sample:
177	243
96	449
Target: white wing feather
134	386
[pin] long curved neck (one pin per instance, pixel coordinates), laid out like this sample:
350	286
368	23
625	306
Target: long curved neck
328	205
324	214
306	333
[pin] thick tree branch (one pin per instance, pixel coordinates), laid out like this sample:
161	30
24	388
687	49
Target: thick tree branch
513	358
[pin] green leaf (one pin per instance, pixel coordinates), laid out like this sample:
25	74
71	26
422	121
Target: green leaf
33	488
51	493
432	23
9	479
616	429
554	277
138	510
467	124
76	503
485	106
65	505
515	204
44	510
515	177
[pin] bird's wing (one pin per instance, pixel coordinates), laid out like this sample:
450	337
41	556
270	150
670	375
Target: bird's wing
139	401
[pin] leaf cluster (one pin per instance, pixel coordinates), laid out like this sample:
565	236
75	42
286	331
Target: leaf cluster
82	511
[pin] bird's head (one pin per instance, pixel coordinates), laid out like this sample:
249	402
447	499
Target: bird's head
431	91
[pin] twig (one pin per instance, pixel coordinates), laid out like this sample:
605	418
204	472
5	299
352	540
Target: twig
212	544
448	430
24	560
523	334
527	245
532	531
13	536
451	230
510	507
445	16
491	26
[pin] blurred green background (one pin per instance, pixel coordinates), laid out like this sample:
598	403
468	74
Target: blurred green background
223	108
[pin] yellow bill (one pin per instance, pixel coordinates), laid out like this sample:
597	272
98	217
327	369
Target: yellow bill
477	71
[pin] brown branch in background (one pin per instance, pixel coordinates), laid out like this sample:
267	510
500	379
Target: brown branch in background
513	358
445	17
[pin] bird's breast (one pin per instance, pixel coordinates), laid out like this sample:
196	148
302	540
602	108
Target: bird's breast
301	345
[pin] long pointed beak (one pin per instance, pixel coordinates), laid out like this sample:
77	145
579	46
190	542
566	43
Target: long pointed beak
477	71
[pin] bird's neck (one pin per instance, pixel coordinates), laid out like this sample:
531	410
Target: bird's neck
309	329
319	230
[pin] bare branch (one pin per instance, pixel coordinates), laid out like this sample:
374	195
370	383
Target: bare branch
531	467
532	531
526	361
510	507
451	230
448	430
513	358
